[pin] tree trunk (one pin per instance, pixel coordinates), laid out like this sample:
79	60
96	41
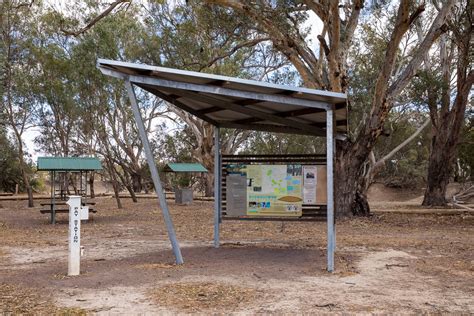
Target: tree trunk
28	188
91	185
127	184
136	182
438	178
349	199
132	193
209	184
205	155
73	180
24	175
442	158
115	185
449	119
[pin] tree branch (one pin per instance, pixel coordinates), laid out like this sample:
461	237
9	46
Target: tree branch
382	161
229	53
417	13
324	45
96	19
351	25
437	28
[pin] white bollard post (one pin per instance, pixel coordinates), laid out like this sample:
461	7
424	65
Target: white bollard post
74	260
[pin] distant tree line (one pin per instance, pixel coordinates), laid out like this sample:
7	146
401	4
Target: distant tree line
405	65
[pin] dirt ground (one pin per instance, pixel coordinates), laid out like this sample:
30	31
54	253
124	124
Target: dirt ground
390	262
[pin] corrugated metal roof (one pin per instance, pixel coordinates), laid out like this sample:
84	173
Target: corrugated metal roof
184	167
234	102
69	164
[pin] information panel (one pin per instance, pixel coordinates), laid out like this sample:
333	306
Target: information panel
255	190
274	190
310	174
236	193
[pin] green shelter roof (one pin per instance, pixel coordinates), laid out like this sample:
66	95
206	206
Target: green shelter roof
184	167
69	164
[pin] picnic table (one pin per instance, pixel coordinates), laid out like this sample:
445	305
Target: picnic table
60	206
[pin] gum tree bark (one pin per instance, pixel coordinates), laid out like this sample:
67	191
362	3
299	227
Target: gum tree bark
447	119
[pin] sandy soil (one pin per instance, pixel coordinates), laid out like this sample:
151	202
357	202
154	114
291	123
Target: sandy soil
403	263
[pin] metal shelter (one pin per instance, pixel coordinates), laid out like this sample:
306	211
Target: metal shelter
81	165
227	102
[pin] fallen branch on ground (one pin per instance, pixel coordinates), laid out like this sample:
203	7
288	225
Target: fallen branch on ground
388	266
462	206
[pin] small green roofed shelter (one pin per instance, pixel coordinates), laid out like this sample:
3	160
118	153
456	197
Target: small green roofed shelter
184	167
73	175
69	164
183	192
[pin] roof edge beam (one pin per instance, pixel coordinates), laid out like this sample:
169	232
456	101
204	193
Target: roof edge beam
227	92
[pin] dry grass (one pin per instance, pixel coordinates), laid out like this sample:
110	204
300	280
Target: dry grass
442	245
17	300
157	266
195	297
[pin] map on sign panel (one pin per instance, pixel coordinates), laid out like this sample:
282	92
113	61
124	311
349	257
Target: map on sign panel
274	190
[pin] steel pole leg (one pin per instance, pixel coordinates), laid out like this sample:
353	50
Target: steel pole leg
217	187
53	205
154	172
330	148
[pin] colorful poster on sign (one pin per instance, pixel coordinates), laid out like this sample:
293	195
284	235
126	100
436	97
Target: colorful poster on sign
274	190
309	184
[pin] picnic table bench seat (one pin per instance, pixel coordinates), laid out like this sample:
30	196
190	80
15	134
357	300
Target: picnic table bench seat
60	202
62	207
62	210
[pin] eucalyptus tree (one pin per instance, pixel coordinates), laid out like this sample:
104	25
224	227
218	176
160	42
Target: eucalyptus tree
18	76
446	85
405	126
107	114
329	67
58	112
190	36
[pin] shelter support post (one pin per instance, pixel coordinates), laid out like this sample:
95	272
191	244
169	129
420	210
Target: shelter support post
217	186
53	202
154	172
330	149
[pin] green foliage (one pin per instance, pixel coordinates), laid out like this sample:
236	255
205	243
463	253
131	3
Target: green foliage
407	168
10	167
176	147
465	170
55	77
271	143
38	184
9	164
